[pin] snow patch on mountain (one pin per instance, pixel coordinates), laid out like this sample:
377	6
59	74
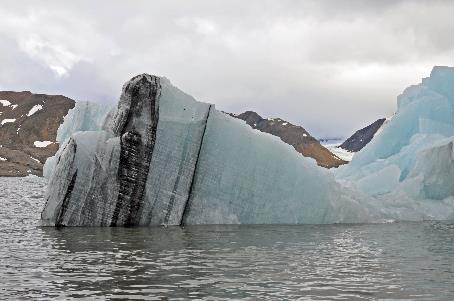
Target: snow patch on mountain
5	121
34	159
340	152
4	102
35	109
42	143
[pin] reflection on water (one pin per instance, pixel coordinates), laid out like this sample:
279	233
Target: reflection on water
340	262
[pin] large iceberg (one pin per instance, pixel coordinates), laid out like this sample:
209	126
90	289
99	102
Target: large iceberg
162	158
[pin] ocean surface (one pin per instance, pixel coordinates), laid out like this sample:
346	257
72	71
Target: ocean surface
398	261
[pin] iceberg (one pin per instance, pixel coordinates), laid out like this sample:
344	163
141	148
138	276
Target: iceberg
412	155
162	158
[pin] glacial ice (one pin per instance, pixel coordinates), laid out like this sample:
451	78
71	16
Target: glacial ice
412	155
247	177
85	116
205	167
201	166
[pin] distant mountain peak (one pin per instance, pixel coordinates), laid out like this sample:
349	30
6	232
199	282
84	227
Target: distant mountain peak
363	136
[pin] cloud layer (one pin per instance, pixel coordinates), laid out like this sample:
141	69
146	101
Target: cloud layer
331	66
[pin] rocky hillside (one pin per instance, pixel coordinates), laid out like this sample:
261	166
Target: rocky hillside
362	137
294	135
28	129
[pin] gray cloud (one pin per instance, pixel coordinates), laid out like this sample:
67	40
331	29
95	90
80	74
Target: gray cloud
331	66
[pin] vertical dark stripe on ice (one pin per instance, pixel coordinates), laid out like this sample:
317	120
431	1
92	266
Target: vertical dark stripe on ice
188	205
136	151
65	203
181	167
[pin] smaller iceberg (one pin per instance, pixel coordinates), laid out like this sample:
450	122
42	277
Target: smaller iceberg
411	160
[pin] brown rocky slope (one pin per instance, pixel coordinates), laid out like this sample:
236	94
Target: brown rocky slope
294	135
29	124
28	130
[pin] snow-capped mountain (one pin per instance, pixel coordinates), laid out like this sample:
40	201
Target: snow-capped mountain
28	130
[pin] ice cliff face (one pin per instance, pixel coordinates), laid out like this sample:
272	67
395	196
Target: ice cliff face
164	158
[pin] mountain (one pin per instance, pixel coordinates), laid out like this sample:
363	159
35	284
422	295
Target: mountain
293	135
28	130
362	137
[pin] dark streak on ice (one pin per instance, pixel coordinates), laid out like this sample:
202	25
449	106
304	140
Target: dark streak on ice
188	204
136	152
65	203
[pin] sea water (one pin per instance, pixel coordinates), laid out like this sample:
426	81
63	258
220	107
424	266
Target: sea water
261	262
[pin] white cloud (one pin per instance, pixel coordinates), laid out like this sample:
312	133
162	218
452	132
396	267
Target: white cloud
199	25
332	66
54	56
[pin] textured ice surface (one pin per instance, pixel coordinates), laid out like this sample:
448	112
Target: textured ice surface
244	176
104	171
180	131
100	176
85	116
163	158
412	156
203	166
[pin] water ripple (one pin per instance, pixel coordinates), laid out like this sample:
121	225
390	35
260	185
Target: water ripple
325	262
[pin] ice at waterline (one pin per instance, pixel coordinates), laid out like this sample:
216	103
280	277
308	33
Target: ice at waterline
161	157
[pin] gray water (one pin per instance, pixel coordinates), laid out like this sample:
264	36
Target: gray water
311	262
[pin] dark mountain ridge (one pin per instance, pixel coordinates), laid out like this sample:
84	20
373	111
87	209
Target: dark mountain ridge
362	137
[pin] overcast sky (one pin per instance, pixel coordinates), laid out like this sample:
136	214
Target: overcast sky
331	66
